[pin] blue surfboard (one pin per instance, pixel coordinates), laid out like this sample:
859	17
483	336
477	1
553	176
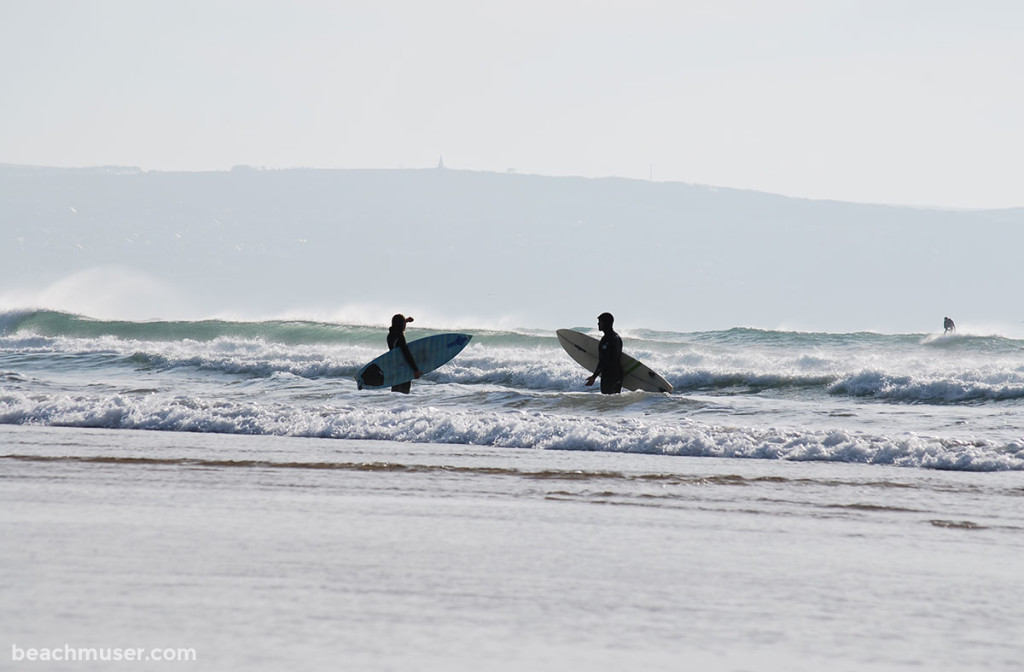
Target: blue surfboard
430	353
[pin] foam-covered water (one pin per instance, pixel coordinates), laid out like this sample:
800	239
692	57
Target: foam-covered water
947	402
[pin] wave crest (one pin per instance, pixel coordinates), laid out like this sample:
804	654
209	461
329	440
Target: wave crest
534	430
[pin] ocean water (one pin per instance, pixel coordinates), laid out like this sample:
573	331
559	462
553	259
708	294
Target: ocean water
798	501
924	401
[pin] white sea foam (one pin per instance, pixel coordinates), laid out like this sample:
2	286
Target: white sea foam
508	428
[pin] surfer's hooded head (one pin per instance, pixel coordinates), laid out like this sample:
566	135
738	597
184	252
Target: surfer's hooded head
605	321
398	322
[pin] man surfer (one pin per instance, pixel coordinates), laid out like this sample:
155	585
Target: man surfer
396	339
609	366
948	325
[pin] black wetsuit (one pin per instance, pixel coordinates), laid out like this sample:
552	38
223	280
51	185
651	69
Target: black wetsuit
609	364
396	339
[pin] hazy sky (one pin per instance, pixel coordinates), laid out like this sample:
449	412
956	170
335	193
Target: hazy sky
895	101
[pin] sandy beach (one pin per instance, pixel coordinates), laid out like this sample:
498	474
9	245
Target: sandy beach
267	552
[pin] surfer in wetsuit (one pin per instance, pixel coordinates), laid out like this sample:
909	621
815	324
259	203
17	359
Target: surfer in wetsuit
609	365
396	339
948	325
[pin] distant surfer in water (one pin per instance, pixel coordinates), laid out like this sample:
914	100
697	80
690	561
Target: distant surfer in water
609	365
948	324
396	339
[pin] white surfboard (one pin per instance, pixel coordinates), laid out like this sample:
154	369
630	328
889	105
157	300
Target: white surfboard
635	375
430	353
